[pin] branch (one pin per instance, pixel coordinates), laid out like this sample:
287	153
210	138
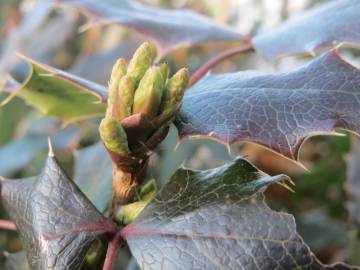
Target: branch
7	225
112	252
217	59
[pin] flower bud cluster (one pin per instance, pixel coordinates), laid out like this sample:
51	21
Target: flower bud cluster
140	88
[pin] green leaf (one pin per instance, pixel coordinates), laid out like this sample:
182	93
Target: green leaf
217	219
56	222
57	93
278	110
10	116
326	25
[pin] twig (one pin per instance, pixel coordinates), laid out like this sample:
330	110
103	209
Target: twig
112	252
7	225
217	59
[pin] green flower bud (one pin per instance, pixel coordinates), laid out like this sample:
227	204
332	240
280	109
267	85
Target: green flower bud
118	71
125	102
173	95
113	135
149	93
164	68
141	61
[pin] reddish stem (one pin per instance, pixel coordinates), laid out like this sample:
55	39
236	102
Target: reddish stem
112	252
200	72
7	225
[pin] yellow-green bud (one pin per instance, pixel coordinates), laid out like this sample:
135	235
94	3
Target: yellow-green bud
173	95
118	71
113	135
148	95
125	102
141	61
164	68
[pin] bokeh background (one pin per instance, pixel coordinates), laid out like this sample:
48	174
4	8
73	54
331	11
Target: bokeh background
326	201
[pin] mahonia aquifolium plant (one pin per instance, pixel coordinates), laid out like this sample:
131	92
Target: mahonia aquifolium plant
140	88
143	98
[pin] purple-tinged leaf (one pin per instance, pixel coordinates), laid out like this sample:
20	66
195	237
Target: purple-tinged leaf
331	23
217	219
278	111
56	222
169	29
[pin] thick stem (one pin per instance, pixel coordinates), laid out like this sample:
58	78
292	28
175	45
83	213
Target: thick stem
112	251
125	184
128	174
7	225
217	59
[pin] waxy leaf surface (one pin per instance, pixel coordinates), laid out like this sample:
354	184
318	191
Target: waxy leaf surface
58	93
331	23
56	222
169	29
217	219
275	110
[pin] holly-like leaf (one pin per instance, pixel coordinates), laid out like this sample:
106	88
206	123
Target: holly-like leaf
93	174
57	93
217	219
331	23
56	222
168	29
279	110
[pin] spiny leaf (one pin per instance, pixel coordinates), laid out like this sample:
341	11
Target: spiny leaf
56	222
331	23
278	111
57	93
169	29
217	219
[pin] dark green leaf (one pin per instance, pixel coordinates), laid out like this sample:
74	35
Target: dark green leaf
217	219
331	23
278	111
56	222
169	29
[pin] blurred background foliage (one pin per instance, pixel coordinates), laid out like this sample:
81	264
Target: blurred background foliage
326	202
